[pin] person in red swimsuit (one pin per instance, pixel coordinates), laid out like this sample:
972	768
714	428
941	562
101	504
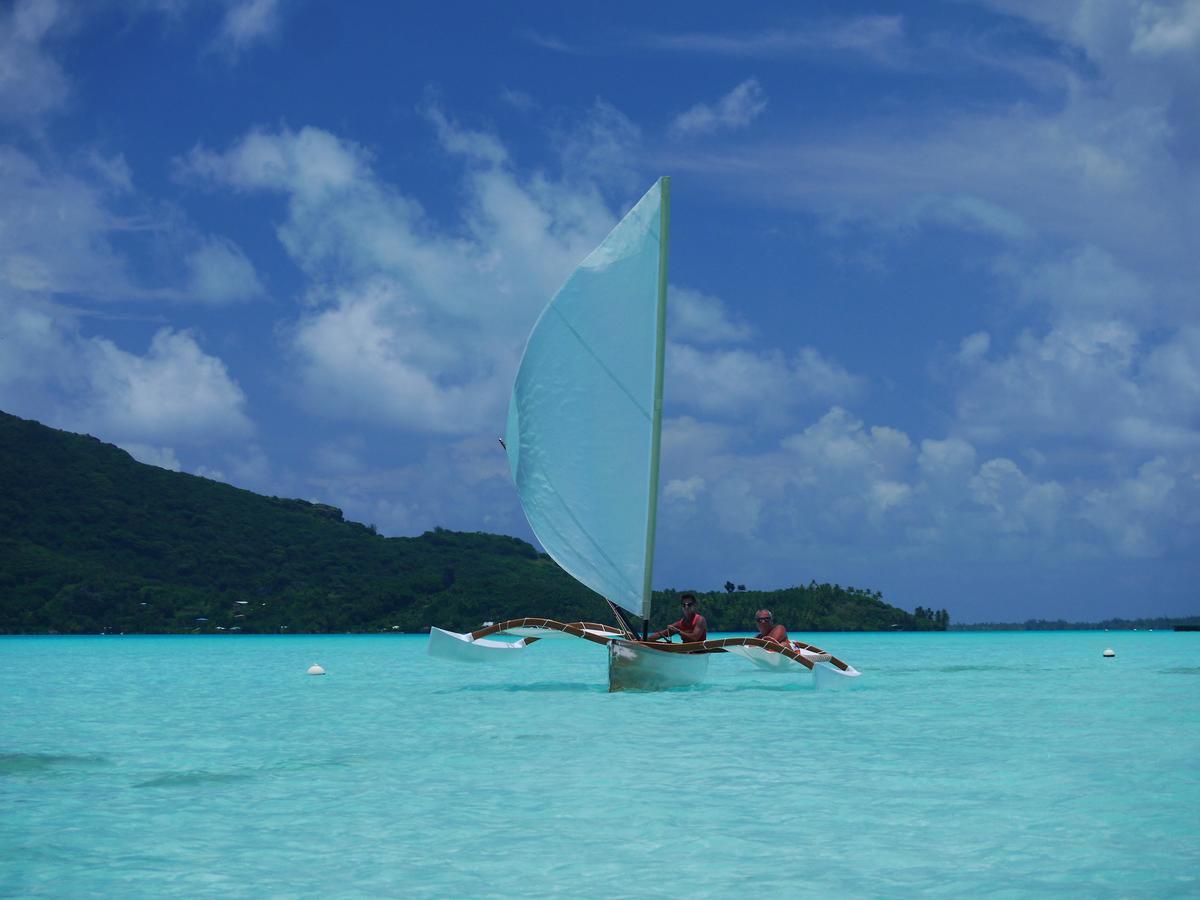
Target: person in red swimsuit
767	629
690	628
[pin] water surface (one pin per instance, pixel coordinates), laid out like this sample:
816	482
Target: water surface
1006	764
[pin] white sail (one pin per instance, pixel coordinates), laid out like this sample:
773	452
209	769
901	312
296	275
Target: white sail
584	419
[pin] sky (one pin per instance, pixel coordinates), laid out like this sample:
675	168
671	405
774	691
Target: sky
933	322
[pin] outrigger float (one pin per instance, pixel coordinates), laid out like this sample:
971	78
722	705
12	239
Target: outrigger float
583	442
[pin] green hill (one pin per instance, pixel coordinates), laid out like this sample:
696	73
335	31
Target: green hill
92	540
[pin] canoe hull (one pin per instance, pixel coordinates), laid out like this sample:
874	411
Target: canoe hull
638	667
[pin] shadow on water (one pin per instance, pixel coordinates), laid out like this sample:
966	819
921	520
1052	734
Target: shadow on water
762	688
537	687
566	687
570	687
46	763
197	776
231	776
1182	670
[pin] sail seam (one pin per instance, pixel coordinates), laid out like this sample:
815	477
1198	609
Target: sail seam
607	371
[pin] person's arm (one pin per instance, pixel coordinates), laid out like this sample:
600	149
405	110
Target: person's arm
671	629
778	634
698	631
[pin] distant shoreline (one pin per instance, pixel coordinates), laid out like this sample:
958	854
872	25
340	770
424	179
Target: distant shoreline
1164	623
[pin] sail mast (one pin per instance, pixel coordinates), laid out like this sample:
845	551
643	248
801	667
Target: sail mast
660	337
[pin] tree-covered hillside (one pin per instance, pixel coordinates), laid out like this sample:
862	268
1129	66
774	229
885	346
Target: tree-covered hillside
91	540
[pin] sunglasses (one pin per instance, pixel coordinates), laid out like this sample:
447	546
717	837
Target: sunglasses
688	603
763	619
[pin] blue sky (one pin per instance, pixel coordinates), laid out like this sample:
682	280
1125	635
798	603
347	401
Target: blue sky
934	325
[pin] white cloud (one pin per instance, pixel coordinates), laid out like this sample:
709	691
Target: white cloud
247	22
1083	284
32	83
879	38
703	319
1111	367
950	460
847	497
481	146
1056	384
838	442
683	489
60	229
412	323
974	347
518	100
1011	501
175	392
1132	512
752	385
114	171
737	109
370	359
600	148
172	394
220	273
1163	29
55	232
967	212
462	484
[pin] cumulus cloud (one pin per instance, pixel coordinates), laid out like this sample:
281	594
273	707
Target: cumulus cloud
752	385
737	109
1086	204
1112	366
701	318
1131	512
412	323
370	358
839	495
173	393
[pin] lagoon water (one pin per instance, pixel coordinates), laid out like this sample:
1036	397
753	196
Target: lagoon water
1006	764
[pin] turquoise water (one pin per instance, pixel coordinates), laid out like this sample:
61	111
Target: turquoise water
1006	764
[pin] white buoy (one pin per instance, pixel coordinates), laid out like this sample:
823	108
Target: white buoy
314	669
1108	652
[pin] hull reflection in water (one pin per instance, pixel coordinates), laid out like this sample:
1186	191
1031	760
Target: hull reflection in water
636	667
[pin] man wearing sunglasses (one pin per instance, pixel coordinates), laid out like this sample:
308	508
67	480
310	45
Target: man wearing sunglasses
767	629
690	628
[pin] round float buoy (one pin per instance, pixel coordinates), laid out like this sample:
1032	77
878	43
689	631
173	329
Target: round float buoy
1110	652
314	669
